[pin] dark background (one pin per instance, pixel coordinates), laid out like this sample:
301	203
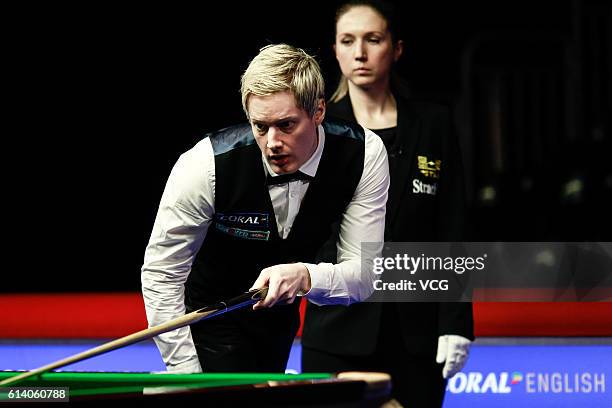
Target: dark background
104	100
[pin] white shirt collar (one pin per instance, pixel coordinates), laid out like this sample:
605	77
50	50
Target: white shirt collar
312	164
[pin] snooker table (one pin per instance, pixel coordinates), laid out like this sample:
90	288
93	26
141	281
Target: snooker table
218	389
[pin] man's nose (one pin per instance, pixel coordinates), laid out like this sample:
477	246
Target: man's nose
274	140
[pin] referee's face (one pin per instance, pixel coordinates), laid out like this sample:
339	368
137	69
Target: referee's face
286	134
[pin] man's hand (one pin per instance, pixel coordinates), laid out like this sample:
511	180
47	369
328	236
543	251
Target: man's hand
454	350
284	283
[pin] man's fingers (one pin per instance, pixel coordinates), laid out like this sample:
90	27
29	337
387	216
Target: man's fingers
261	280
284	294
284	283
289	297
272	297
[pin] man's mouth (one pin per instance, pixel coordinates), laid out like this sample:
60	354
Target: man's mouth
278	159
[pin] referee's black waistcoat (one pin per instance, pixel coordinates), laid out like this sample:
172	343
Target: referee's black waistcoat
243	236
424	129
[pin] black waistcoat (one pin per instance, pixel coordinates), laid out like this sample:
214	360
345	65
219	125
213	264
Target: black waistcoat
243	237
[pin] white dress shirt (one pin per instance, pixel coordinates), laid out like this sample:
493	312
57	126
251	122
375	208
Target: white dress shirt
186	210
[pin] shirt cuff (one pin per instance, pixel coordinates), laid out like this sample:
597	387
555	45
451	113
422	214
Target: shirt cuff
319	282
187	367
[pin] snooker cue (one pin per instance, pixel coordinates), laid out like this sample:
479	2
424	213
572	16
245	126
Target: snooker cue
246	299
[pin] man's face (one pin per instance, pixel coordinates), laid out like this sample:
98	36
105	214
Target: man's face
286	135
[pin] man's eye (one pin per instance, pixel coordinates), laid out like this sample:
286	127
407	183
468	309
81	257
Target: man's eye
260	128
285	126
374	40
346	41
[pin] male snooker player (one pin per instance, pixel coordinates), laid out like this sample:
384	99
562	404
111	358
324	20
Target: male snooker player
249	206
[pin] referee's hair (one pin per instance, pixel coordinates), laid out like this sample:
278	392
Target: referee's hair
281	67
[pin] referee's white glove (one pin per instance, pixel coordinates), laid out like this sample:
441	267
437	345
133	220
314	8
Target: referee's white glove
454	350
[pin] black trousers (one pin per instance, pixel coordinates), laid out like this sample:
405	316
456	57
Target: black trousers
416	377
245	341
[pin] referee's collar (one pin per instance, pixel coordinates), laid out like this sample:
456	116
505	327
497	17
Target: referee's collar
311	165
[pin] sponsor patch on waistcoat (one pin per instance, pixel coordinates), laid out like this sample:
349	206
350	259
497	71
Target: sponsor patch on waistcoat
253	226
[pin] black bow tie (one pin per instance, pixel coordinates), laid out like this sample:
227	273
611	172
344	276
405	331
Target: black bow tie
286	178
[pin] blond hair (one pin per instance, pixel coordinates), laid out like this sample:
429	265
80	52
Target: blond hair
341	90
279	68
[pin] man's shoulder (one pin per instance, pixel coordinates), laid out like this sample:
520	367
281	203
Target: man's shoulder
340	128
230	138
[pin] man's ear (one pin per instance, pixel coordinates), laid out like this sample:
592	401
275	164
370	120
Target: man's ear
320	112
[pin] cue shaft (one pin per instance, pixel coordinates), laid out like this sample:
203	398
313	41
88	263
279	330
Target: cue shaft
246	299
